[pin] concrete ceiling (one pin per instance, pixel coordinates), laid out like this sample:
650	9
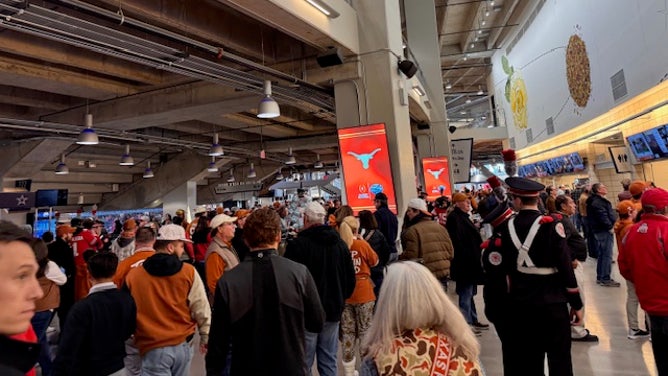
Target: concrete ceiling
163	77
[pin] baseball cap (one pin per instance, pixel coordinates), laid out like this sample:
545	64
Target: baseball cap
655	198
637	187
314	209
173	232
129	225
625	207
218	220
241	213
200	209
418	204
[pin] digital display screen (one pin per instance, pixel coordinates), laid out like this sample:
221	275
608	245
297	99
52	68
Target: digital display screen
50	197
640	148
365	159
656	143
436	177
576	161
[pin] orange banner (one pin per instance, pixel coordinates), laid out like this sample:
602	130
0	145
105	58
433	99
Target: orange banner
366	166
436	177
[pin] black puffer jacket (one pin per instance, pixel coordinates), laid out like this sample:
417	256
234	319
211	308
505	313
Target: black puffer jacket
328	259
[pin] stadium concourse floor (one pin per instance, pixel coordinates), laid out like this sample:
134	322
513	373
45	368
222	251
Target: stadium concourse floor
613	355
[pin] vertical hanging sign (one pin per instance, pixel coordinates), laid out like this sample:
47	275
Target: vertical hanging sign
436	177
461	154
365	160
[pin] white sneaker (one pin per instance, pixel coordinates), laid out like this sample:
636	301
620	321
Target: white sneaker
637	333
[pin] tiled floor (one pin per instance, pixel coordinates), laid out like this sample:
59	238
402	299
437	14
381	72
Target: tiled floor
613	355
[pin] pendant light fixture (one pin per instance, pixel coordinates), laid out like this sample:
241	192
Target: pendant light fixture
231	179
126	159
148	172
480	92
291	158
251	173
216	149
88	135
318	162
279	175
268	108
61	168
212	165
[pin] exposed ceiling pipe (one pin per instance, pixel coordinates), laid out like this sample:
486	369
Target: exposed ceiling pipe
207	47
63	28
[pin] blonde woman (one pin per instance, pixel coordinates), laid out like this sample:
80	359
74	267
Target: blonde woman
417	329
358	309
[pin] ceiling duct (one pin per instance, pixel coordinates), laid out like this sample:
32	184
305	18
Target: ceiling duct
53	25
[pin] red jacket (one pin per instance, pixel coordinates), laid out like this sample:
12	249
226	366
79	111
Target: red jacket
643	260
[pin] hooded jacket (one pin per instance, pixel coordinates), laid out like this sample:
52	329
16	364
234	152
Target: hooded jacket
170	300
466	267
328	259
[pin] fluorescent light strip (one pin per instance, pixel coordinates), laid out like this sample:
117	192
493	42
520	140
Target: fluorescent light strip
323	8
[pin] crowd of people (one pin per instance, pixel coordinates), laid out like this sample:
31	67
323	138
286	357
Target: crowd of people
277	289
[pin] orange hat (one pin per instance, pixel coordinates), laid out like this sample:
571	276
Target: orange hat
129	225
625	207
219	210
637	187
241	213
64	229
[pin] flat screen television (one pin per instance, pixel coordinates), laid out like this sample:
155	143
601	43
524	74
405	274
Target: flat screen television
45	198
656	142
576	161
640	147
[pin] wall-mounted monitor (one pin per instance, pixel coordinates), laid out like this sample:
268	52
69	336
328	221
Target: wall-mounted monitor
656	142
576	161
640	147
45	198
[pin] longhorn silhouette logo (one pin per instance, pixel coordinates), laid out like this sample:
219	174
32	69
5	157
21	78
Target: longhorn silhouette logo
364	158
436	174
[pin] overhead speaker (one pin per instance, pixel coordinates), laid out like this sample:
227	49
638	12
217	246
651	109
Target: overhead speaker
422	126
330	58
452	129
408	68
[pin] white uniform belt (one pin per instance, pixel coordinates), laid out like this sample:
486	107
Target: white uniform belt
536	270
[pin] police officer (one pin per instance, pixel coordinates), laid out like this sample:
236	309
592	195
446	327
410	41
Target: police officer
541	283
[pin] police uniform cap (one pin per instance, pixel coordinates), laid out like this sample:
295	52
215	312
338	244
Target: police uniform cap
523	187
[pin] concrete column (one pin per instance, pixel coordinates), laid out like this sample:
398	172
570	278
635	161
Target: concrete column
422	36
183	197
425	149
378	96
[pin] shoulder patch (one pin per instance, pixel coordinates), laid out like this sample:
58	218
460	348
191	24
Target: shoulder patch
559	228
495	258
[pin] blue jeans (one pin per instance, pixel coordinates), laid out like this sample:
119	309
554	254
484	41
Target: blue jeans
325	344
169	360
466	293
604	250
40	322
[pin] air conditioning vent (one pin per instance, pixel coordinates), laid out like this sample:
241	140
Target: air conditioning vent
549	124
618	83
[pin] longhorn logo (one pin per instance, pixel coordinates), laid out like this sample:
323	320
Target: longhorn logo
364	158
436	174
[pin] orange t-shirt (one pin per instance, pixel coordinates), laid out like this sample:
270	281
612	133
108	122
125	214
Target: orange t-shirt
130	263
364	258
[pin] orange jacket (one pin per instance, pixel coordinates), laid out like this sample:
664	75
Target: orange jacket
169	307
130	263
